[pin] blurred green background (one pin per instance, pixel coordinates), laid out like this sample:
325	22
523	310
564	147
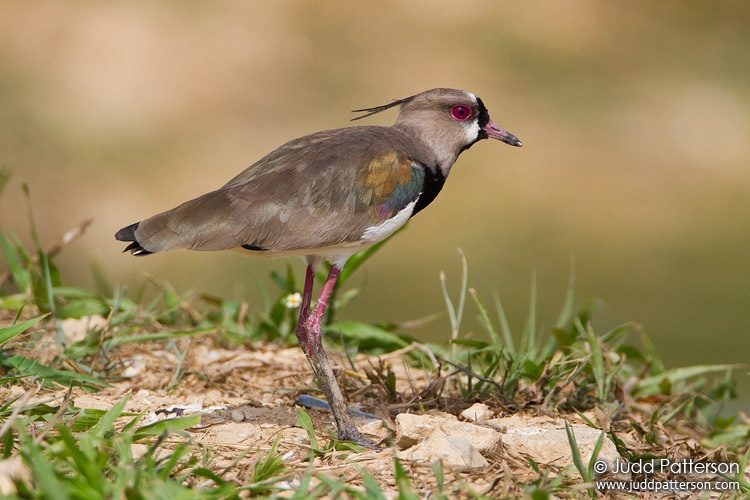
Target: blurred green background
635	120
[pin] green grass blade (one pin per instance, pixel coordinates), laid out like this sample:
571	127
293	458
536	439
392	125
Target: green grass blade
584	471
439	471
567	312
530	334
741	476
305	422
81	456
595	453
575	451
11	331
657	366
107	421
44	473
403	482
455	314
485	317
18	271
168	425
269	469
596	360
510	346
166	469
367	337
655	383
156	337
372	489
49	376
464	287
302	491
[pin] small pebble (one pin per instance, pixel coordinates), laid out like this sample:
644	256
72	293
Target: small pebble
238	416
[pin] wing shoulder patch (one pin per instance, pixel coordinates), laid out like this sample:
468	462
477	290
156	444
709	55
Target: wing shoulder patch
389	183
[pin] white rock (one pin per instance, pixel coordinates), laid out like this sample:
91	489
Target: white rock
545	440
478	412
455	452
413	429
76	328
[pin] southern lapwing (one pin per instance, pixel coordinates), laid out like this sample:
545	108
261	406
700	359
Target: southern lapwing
326	196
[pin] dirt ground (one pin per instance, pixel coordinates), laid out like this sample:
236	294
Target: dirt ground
247	400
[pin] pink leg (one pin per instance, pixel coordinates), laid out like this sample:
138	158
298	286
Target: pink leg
314	321
310	336
304	309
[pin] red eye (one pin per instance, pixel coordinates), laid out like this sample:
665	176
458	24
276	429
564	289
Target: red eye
460	112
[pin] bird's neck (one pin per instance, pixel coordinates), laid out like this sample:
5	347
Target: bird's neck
441	155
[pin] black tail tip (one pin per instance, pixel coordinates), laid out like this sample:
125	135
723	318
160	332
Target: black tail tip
128	234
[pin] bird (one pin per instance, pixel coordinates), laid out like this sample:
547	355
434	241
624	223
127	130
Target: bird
326	196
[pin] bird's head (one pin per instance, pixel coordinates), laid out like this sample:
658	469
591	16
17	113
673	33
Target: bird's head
448	121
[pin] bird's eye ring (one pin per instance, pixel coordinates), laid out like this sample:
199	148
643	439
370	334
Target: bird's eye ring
460	112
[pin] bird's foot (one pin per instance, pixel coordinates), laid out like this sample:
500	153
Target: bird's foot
354	436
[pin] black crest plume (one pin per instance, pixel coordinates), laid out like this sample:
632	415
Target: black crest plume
378	109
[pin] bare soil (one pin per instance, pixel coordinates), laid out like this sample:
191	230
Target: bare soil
247	399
